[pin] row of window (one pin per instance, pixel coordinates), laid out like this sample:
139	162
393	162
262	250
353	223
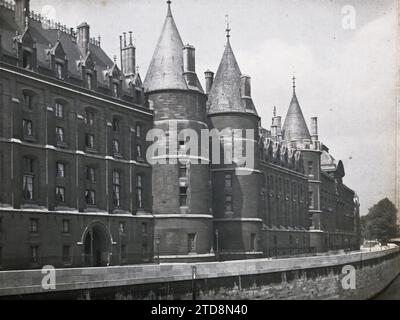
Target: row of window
66	226
90	194
60	72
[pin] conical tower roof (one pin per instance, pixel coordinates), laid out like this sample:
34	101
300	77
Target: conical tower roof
166	67
225	94
295	127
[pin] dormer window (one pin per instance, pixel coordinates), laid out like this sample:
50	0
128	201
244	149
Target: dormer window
89	80
27	60
59	71
115	90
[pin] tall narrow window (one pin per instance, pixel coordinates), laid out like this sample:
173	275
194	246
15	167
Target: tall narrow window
27	60
90	174
34	254
60	134
138	151
253	240
191	243
310	199
27	127
1	256
28	101
60	170
59	110
228	203
66	253
115	125
65	226
139	191
116	146
59	71
90	141
144	228
27	185
60	194
138	130
228	180
183	196
116	189
89	81
310	168
33	225
89	118
90	197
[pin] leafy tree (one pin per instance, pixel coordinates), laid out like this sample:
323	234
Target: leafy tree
380	222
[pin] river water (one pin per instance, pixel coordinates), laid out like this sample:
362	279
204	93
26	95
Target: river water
390	293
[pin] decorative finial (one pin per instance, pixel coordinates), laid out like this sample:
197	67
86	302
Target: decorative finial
99	39
274	111
294	83
137	69
169	8
228	29
26	22
58	35
115	59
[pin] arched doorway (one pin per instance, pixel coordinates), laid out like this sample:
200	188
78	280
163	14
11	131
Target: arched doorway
97	245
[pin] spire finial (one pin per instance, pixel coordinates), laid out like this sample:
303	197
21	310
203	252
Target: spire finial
228	29
137	69
169	8
274	111
294	83
115	59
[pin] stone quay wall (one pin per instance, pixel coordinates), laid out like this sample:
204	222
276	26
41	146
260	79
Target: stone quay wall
316	277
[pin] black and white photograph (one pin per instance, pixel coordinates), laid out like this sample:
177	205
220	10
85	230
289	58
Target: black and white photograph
198	150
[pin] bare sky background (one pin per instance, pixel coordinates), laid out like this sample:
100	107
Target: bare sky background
345	77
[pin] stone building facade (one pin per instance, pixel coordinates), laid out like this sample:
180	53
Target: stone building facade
76	186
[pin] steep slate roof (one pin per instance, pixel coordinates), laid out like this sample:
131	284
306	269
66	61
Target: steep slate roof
47	38
295	127
225	94
166	66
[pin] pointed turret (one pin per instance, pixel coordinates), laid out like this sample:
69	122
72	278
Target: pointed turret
295	127
230	91
166	70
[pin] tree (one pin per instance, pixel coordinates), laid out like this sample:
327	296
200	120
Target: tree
380	222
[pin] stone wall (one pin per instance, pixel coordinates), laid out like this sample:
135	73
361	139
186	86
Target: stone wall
317	277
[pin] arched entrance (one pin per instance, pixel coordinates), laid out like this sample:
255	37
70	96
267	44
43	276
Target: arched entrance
97	245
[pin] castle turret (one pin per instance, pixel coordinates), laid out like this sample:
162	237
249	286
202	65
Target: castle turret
181	188
236	205
297	136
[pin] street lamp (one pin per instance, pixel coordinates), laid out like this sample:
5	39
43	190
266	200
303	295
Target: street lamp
158	241
217	242
120	232
194	269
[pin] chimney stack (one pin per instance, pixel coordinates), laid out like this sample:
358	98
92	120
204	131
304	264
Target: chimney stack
209	75
128	55
245	86
314	128
21	13
83	33
189	64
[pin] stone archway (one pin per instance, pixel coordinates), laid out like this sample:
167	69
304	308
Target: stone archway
97	242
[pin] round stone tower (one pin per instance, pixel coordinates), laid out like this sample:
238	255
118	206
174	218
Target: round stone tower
181	182
236	183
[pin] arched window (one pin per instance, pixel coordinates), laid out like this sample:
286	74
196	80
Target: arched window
139	191
117	188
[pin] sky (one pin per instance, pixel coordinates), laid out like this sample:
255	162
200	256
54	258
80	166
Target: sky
343	54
